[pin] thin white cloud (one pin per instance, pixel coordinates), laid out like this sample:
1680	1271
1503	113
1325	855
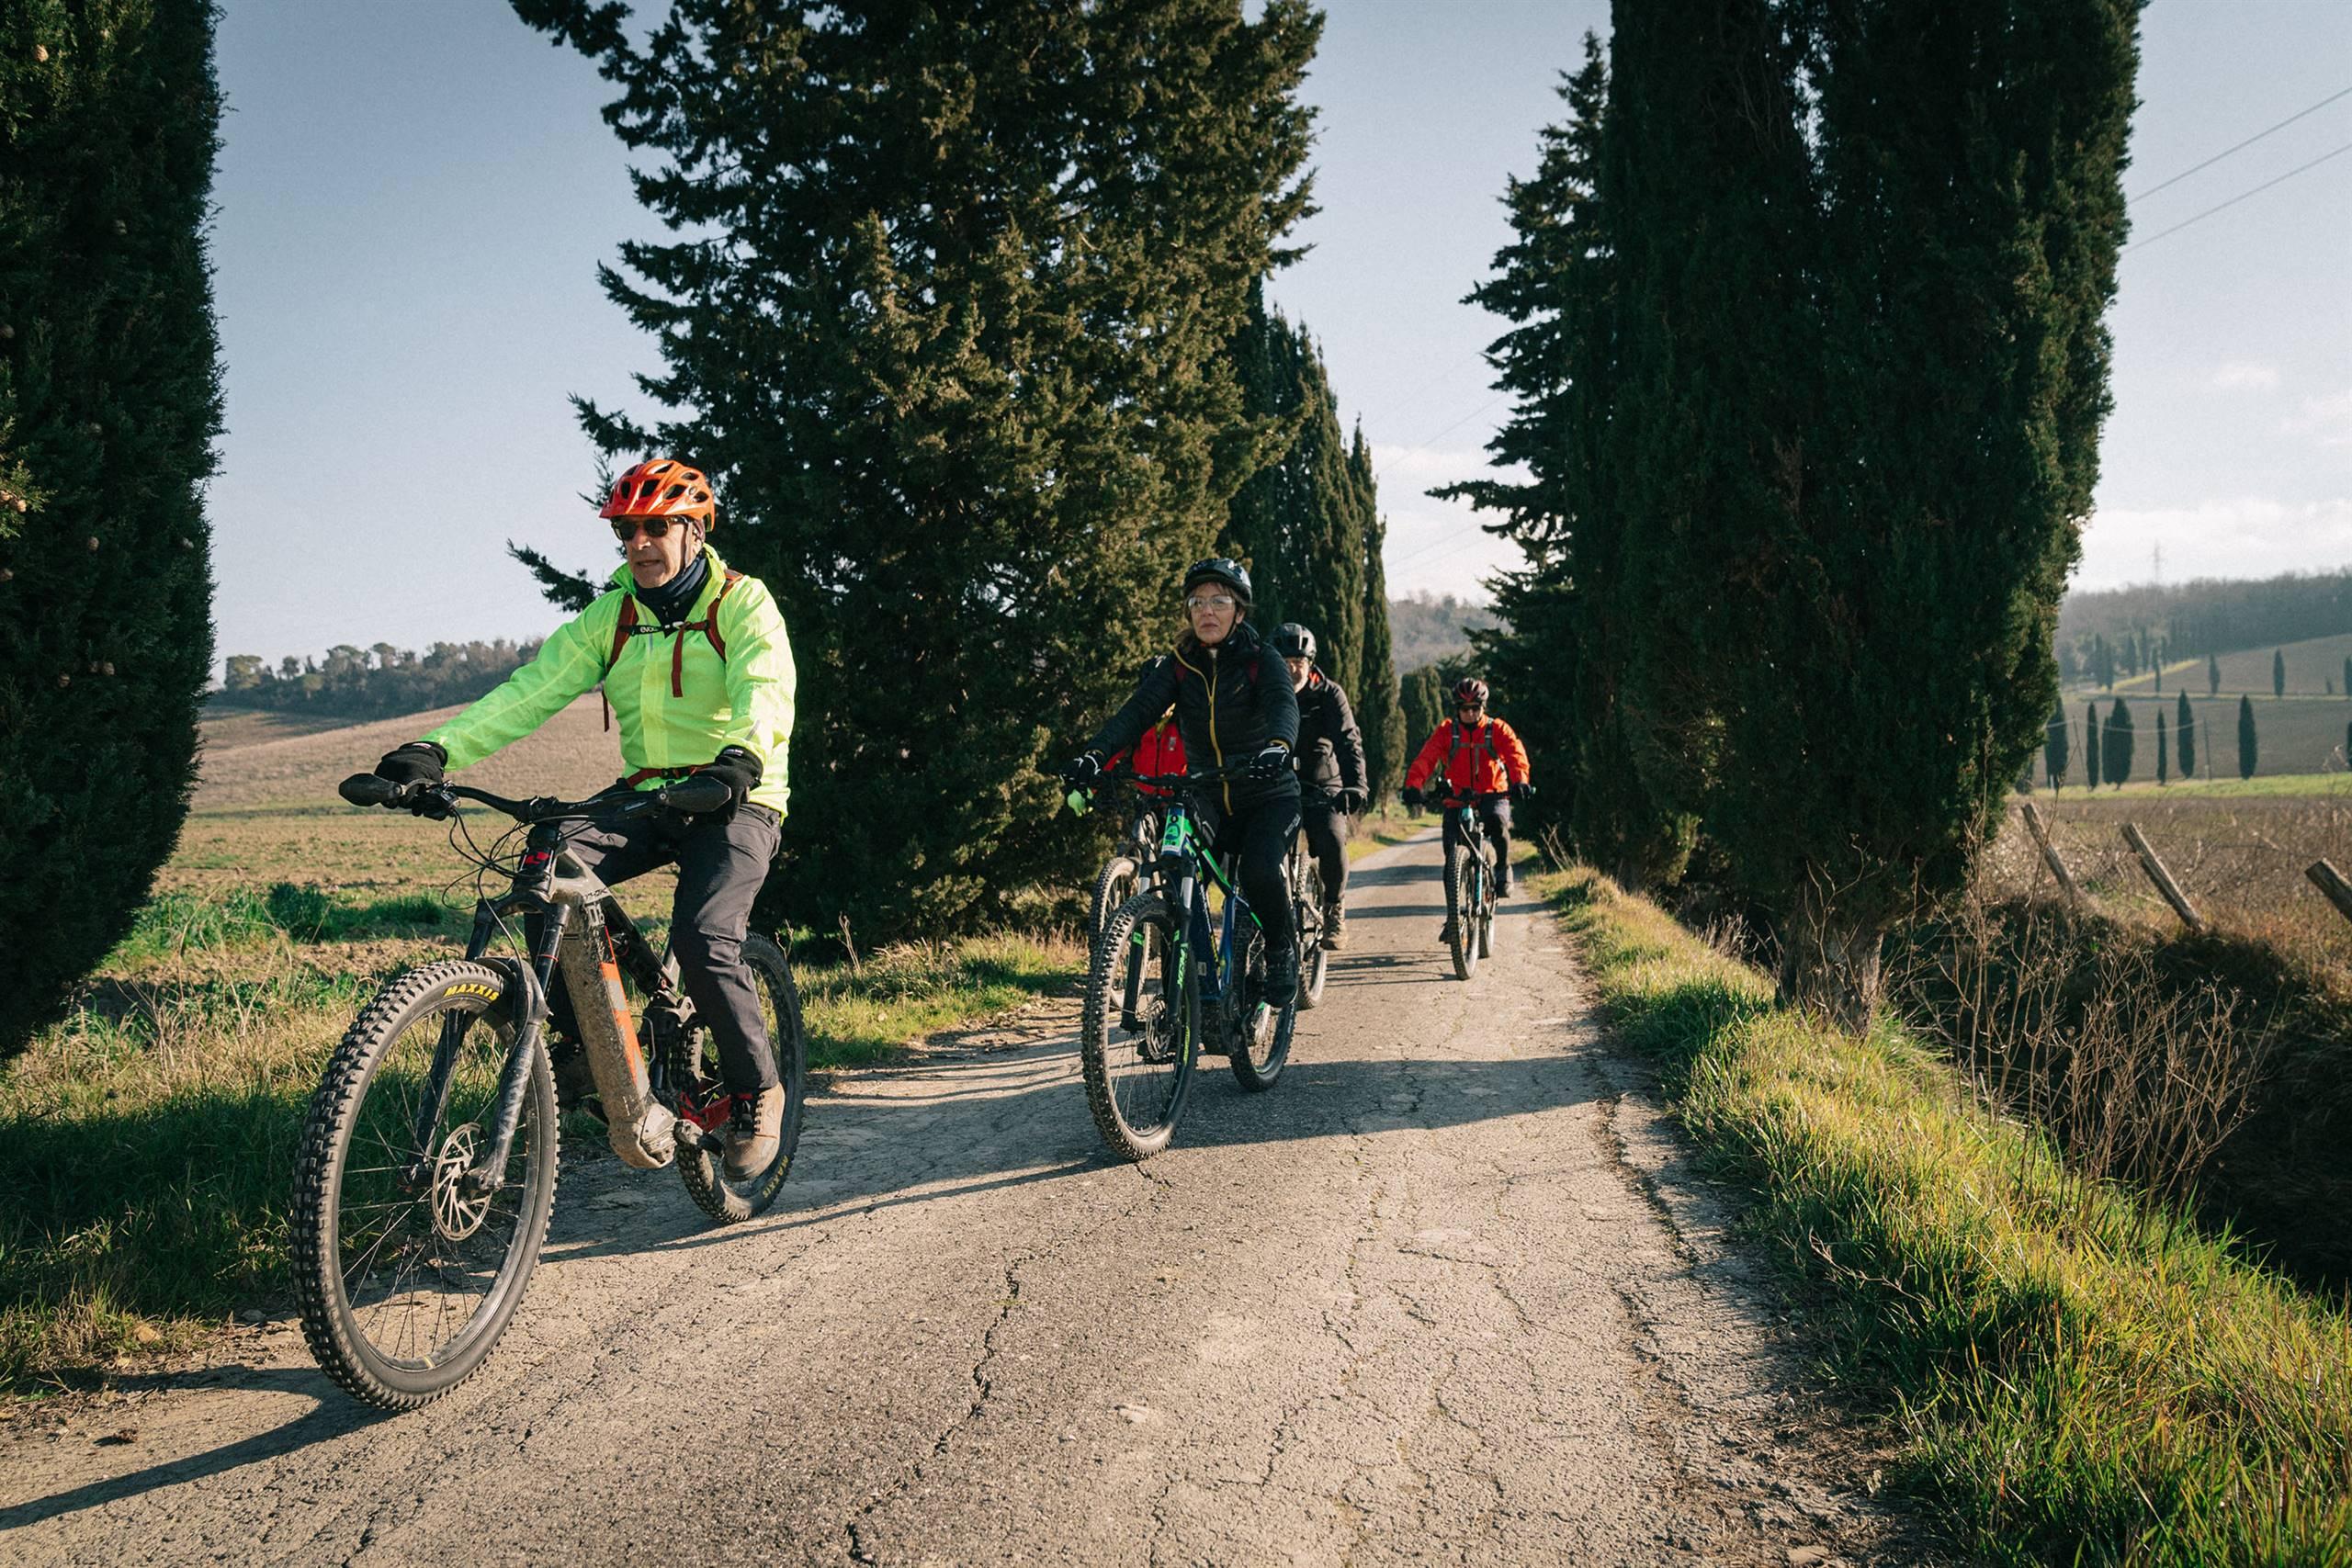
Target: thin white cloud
2328	417
2242	376
2232	536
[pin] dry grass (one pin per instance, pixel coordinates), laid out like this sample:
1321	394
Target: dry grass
2240	858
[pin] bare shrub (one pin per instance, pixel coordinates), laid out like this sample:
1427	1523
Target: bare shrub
2074	1030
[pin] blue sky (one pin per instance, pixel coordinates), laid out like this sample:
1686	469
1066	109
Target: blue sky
413	199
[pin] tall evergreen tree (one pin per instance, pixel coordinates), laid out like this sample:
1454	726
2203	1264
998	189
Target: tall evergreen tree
2094	773
2185	726
1299	520
2249	751
1379	711
1568	622
2054	747
1866	252
110	403
2103	661
2163	764
2278	672
2115	746
2213	674
1424	705
944	310
2347	674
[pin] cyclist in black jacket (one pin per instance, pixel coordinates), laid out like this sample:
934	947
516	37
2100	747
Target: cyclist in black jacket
1236	706
1331	766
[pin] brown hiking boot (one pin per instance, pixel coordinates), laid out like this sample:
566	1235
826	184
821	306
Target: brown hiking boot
754	1132
1335	926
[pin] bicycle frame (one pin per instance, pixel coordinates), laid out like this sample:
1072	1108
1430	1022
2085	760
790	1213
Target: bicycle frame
1219	977
587	940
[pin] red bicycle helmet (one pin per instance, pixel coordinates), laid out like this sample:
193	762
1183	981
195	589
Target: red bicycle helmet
1471	692
662	486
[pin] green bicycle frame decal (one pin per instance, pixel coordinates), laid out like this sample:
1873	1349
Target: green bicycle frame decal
1176	838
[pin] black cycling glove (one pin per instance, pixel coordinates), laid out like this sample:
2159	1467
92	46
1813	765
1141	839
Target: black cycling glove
1350	802
1081	771
1414	799
1521	791
418	762
739	767
1270	762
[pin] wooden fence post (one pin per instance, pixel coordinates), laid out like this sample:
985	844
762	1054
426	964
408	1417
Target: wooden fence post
2162	878
2330	881
2050	852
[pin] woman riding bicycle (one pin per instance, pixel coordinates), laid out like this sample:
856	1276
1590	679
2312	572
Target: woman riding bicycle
1236	706
694	660
1482	760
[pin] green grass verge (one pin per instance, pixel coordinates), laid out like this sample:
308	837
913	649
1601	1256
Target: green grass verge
1377	831
2262	786
147	1144
2079	1380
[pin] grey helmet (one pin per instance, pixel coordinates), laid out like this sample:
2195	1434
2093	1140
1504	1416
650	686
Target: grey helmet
1295	641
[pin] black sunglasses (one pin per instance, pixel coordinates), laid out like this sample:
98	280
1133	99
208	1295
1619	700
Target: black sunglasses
625	528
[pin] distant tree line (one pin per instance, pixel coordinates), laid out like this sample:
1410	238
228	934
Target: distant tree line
2206	616
377	682
1428	627
1808	356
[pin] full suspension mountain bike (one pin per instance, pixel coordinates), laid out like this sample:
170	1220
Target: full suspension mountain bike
427	1169
1169	984
1469	889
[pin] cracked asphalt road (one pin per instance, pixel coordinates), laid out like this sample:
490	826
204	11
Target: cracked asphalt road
1447	1293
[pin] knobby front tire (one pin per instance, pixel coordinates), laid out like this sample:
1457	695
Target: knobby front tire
1462	909
704	1170
1139	1030
1256	1068
1112	889
405	1276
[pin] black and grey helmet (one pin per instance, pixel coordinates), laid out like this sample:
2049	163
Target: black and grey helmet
1295	641
1220	569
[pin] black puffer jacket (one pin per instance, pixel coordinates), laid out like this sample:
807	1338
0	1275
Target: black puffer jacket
1331	747
1230	699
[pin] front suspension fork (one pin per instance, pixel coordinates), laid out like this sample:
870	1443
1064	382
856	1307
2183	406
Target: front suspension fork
488	1172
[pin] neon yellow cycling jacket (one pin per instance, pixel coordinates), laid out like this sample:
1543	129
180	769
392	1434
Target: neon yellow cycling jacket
680	692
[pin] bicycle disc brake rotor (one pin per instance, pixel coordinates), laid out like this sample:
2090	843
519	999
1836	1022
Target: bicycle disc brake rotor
457	1215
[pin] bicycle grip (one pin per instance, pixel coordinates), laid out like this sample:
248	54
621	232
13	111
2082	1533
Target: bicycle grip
367	789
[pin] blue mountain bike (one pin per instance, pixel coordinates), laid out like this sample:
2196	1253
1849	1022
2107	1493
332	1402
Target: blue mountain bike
1170	983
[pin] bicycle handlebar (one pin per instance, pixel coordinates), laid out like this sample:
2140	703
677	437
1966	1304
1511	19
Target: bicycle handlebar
693	794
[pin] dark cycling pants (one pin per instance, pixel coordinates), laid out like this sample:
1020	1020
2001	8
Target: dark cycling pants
1260	831
1494	813
720	867
1327	840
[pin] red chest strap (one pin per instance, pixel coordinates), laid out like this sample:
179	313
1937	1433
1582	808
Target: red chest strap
628	627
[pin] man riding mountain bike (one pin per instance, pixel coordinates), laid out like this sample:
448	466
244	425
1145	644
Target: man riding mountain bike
694	664
1330	762
1234	707
1483	761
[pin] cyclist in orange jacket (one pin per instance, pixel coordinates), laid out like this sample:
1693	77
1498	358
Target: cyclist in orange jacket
1482	760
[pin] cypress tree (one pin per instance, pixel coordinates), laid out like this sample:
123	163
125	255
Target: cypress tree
2093	775
2278	672
2054	747
1379	713
2103	659
2248	751
2347	674
1424	705
2115	746
1299	520
1861	428
2185	726
2163	764
944	310
1568	626
2212	675
110	403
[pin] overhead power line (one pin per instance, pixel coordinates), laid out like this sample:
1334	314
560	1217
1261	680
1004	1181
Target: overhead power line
2241	146
2257	190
